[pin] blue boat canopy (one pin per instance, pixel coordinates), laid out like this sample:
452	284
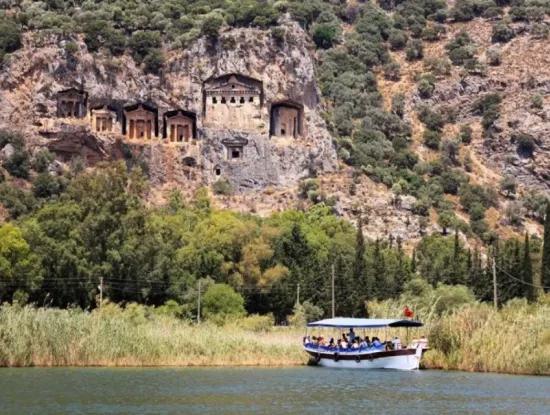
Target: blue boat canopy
364	322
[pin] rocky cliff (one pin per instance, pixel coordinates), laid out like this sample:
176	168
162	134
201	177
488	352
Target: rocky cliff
285	68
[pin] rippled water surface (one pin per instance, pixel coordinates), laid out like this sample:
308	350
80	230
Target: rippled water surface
304	390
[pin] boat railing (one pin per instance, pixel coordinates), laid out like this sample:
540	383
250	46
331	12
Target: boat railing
314	346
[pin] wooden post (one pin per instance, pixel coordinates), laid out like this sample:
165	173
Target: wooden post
495	291
100	291
199	305
298	294
332	286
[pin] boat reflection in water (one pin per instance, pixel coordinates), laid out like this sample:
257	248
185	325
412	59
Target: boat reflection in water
353	352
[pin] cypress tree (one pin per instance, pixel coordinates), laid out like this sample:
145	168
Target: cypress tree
545	269
527	274
401	274
360	291
456	272
379	268
413	261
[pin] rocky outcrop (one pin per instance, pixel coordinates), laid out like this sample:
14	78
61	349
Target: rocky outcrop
285	69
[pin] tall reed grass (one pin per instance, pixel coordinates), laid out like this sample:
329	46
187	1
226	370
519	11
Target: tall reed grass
477	337
52	337
473	337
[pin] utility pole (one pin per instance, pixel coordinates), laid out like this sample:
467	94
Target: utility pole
298	294
100	291
495	292
332	286
199	305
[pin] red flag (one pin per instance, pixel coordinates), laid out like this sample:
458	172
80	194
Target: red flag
407	312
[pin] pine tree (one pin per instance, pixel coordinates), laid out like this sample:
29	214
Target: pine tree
545	270
527	268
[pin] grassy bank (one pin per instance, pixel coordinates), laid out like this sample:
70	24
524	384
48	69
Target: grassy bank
516	339
472	336
52	337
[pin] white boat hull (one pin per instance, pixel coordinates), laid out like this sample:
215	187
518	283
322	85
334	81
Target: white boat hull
405	359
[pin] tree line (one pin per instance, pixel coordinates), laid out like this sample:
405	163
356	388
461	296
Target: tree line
99	228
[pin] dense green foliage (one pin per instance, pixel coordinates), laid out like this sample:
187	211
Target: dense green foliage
97	227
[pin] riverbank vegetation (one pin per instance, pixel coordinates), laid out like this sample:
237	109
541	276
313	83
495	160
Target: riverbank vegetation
139	336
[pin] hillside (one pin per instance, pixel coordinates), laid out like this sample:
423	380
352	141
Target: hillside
419	116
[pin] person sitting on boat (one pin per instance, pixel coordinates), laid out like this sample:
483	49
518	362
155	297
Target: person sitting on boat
396	343
331	344
376	342
364	343
343	344
351	335
321	341
355	344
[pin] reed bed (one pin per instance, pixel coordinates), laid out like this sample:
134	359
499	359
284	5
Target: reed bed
51	337
475	337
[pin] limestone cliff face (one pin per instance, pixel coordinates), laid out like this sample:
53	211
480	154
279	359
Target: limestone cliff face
284	70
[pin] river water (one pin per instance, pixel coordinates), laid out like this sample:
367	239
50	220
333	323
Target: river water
301	390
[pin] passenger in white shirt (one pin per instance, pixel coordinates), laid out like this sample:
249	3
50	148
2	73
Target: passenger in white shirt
396	343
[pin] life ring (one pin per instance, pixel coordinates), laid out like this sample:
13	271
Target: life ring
336	357
358	359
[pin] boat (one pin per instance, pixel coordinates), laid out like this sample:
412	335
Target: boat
378	355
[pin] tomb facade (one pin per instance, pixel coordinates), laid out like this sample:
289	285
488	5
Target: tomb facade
180	126
103	119
72	103
235	148
286	120
140	122
233	101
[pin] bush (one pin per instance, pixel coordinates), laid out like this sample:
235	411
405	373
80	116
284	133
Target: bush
461	49
10	36
16	201
488	106
493	57
211	26
153	62
142	43
438	66
45	185
426	85
508	185
537	101
432	139
397	39
392	71
415	50
18	165
502	33
433	120
398	105
304	313
222	187
221	303
525	144
432	33
463	11
278	34
325	35
465	134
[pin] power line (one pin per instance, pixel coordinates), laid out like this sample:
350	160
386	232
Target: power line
521	281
